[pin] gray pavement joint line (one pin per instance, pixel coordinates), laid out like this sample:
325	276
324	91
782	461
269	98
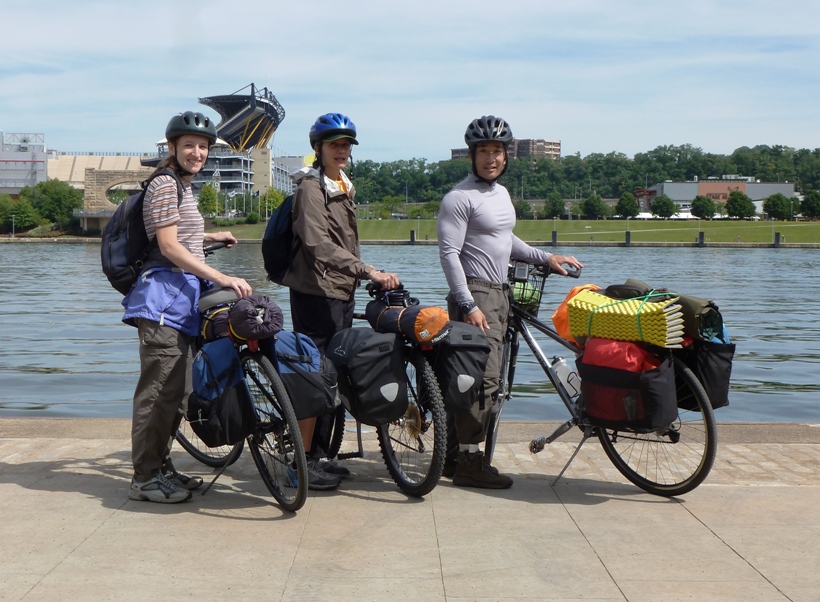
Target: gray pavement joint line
438	545
728	545
589	543
307	507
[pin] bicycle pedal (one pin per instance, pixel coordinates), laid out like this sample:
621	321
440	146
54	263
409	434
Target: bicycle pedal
538	444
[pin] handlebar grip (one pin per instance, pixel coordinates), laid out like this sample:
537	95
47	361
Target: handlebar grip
209	249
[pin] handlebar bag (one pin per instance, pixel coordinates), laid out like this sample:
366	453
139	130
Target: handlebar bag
372	378
418	323
459	362
636	399
219	410
308	376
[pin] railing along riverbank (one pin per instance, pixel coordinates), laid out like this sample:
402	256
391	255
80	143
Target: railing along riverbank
537	243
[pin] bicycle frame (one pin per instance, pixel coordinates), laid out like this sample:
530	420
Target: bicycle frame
667	461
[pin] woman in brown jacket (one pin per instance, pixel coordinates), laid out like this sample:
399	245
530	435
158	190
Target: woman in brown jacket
326	267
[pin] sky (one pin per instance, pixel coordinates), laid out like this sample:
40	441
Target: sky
601	76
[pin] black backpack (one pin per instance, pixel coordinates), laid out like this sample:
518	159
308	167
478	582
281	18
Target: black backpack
277	241
125	246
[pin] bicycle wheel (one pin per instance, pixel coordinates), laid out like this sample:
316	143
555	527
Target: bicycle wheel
413	446
275	444
215	457
338	433
677	459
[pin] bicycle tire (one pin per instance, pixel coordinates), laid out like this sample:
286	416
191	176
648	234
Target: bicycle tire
338	433
215	457
413	446
677	460
275	444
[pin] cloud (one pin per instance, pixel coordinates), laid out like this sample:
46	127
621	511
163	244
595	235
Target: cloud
599	76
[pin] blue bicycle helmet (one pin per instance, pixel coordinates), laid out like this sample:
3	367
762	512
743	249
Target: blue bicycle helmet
330	127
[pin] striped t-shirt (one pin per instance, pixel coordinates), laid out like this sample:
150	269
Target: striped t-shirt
160	209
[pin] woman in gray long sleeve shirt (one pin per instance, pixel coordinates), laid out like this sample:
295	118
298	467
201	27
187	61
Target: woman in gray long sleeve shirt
476	243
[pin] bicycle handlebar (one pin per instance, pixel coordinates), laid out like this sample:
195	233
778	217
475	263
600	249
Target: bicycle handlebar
547	270
214	246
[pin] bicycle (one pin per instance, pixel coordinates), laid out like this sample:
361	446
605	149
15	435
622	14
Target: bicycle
669	461
412	446
275	442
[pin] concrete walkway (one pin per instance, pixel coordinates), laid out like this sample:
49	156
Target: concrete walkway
68	531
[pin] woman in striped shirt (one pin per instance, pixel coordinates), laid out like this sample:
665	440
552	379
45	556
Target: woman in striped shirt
163	306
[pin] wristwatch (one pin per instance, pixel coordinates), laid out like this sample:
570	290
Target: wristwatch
467	307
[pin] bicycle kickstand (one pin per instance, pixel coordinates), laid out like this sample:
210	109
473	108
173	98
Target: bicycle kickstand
587	435
538	444
219	474
358	453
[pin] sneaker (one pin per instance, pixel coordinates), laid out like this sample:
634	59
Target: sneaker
158	489
180	479
318	479
334	469
473	470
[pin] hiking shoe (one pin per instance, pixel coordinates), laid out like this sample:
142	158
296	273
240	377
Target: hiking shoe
473	470
158	489
318	479
449	468
333	469
186	481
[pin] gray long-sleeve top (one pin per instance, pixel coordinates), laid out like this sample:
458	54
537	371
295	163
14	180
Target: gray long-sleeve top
475	238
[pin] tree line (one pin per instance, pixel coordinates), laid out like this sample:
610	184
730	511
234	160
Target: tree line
587	180
387	187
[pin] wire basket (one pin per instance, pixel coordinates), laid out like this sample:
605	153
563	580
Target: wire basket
527	283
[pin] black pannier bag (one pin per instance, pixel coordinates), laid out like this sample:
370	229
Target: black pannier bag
220	410
712	364
459	362
371	373
621	399
309	377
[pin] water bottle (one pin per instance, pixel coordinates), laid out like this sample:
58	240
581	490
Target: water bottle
566	376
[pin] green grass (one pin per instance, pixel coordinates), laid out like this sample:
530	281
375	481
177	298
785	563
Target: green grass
656	231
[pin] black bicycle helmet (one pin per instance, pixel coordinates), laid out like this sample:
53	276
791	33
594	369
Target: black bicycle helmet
332	126
488	129
191	123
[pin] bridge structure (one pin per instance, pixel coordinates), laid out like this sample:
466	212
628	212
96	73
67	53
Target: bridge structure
97	209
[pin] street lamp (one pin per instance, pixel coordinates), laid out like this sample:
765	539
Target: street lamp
12	225
628	217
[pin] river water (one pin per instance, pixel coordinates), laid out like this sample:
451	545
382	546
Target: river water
65	351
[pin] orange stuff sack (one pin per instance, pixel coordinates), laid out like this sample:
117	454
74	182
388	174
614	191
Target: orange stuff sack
560	317
417	323
621	355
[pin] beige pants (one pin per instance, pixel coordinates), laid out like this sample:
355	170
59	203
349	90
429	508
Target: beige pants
470	427
161	395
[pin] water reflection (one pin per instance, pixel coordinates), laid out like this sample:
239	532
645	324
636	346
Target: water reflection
66	353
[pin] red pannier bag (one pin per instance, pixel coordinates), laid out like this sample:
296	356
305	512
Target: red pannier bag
626	386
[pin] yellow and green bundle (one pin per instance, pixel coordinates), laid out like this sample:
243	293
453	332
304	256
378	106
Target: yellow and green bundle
641	319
